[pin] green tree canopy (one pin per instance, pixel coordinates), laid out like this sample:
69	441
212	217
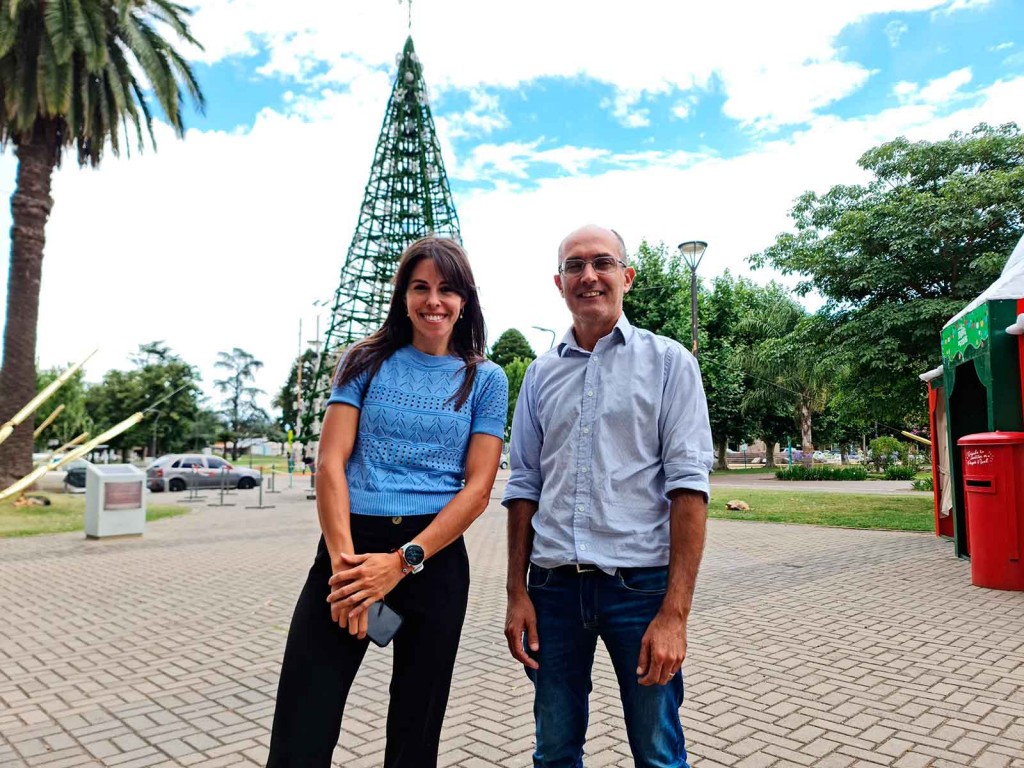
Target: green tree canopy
515	372
660	297
162	381
896	258
509	346
73	420
75	75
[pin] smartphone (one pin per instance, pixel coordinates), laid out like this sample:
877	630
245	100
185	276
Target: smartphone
383	623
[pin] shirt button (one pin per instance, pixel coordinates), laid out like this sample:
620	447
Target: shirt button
583	547
583	470
396	520
579	508
590	393
586	430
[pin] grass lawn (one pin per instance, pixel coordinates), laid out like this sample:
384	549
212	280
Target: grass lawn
898	513
65	513
276	463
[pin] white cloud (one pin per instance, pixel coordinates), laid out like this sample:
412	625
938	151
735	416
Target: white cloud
966	5
939	92
894	31
624	109
491	162
642	48
484	116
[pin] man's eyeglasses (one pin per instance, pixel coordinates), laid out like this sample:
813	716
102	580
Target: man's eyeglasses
601	264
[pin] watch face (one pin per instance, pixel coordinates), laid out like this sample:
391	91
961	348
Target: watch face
413	554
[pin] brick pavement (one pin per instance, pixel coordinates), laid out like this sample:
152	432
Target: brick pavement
808	647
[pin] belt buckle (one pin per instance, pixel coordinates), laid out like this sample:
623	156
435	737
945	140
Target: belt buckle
585	568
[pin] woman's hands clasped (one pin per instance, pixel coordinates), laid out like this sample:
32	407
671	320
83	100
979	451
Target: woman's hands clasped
361	581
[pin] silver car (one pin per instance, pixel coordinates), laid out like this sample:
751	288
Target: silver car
180	471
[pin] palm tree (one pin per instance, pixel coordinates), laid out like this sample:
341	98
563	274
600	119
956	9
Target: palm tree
68	80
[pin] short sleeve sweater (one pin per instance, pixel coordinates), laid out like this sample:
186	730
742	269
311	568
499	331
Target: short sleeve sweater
409	456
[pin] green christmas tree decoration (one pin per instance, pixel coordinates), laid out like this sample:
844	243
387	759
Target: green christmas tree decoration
407	197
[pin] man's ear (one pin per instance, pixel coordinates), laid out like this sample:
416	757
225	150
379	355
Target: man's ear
558	284
630	276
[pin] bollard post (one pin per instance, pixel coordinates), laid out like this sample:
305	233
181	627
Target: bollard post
261	505
193	492
273	481
223	489
311	493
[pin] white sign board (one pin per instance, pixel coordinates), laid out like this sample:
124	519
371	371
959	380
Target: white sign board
115	501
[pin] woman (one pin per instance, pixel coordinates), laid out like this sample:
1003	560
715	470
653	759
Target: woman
415	411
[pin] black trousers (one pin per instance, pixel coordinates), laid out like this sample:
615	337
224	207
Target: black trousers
321	659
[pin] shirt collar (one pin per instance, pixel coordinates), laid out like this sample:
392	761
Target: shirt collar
621	333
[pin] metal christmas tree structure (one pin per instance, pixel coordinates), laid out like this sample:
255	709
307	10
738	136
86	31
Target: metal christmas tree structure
406	197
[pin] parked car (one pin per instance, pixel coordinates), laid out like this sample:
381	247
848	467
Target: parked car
177	472
74	476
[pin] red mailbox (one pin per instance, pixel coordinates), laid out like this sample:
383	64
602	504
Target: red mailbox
993	464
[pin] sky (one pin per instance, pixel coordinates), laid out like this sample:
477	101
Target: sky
667	121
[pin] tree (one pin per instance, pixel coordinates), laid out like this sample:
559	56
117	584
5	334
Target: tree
895	259
244	417
789	367
161	381
510	346
74	419
170	386
659	299
660	302
515	372
68	80
289	393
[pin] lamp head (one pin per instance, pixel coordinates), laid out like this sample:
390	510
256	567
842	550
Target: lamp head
692	251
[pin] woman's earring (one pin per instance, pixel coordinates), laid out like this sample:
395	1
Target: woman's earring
462	314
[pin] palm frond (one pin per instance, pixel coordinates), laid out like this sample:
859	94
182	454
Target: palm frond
59	17
91	35
8	28
89	68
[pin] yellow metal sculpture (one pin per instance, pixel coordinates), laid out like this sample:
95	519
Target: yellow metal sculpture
42	397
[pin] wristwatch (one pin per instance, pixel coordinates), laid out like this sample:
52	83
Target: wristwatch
412	557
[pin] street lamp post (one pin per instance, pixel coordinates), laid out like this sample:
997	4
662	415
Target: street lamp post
547	330
693	252
155	422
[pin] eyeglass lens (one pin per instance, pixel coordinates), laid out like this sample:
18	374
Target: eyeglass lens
600	264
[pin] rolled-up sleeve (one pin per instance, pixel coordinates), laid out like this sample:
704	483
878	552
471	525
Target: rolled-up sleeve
524	455
687	452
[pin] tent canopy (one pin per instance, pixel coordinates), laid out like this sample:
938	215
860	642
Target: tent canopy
1009	284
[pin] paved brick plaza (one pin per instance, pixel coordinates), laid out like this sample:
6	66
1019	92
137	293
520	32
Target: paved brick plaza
808	647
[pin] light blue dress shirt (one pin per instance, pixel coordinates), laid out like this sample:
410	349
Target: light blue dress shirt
600	438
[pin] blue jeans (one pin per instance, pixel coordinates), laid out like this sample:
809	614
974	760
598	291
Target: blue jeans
573	610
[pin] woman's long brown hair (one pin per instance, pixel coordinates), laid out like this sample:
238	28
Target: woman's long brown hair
468	339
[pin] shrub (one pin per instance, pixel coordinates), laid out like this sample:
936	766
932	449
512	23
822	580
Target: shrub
800	472
924	484
900	473
885	451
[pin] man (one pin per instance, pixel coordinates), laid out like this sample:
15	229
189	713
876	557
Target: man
607	504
